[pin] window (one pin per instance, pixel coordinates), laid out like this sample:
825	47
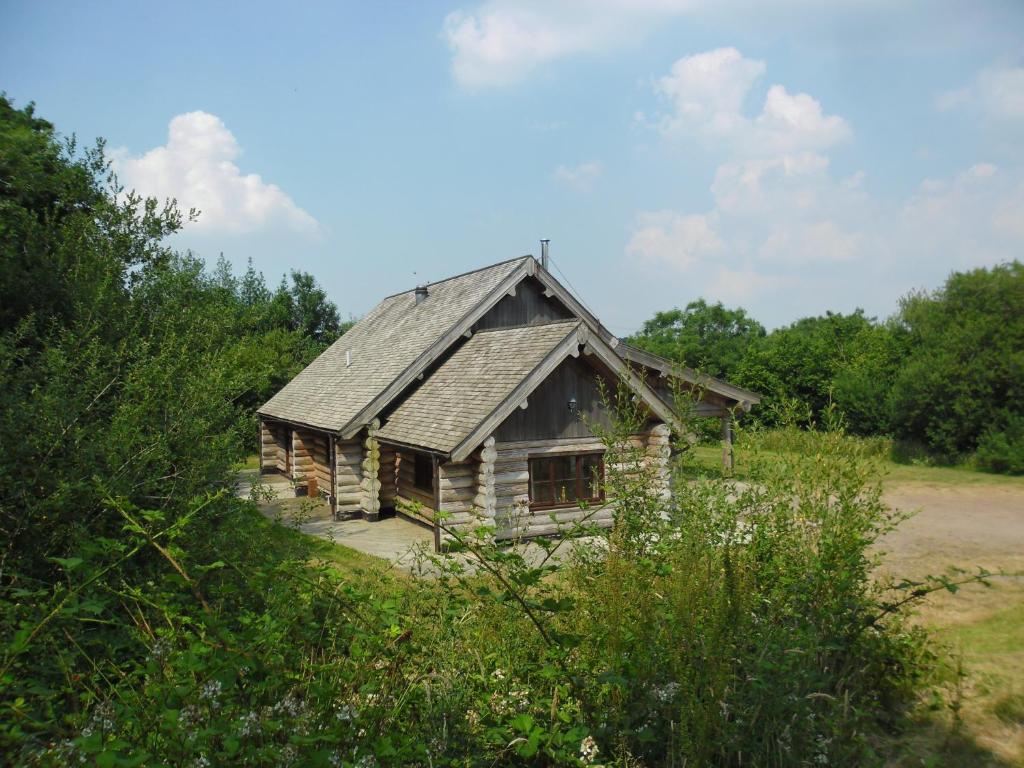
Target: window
423	472
564	481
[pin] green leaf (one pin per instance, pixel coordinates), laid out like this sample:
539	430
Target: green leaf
68	563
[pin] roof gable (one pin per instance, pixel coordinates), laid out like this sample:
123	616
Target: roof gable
490	376
466	389
368	366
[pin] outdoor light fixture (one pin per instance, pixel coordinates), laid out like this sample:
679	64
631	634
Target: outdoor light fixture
574	407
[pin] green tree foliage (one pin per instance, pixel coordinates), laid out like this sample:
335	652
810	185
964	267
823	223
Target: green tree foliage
708	337
801	363
126	371
963	375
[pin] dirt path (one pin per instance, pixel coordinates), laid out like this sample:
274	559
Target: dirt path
971	525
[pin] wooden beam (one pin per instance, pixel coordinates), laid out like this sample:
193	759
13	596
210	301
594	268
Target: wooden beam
727	440
437	503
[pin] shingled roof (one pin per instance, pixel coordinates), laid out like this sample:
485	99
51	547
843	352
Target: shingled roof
473	383
395	341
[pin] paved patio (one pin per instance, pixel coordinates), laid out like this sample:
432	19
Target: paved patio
394	539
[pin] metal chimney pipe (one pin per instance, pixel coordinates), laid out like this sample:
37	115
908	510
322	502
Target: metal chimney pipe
421	293
544	253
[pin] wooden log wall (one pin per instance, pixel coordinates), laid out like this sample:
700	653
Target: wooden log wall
311	458
659	454
467	490
388	476
513	517
272	446
348	492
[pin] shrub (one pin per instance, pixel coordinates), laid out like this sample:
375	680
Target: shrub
1002	450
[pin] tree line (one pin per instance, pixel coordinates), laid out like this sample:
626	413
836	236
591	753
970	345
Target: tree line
943	377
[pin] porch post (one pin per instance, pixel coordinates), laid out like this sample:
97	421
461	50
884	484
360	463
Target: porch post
370	485
727	440
437	502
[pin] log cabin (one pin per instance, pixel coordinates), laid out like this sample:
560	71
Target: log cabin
477	395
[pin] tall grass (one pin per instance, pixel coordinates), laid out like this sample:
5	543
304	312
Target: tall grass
732	624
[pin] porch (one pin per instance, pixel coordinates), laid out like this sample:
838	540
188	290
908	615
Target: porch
394	539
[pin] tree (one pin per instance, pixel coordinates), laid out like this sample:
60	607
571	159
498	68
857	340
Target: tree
708	337
314	315
964	374
802	361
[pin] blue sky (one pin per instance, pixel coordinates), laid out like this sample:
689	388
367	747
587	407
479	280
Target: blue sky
786	158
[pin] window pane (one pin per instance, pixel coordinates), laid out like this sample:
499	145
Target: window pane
543	493
565	490
564	467
591	468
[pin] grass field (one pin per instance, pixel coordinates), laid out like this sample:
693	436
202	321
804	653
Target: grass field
710	458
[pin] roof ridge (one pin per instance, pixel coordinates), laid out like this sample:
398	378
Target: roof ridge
463	274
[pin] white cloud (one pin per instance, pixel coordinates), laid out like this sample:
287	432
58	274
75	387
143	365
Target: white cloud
667	238
707	93
998	92
197	168
743	284
775	204
581	177
500	42
795	123
971	219
814	242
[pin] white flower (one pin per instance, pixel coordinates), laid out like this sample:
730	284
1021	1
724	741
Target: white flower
665	693
160	650
588	750
211	692
250	724
190	716
346	712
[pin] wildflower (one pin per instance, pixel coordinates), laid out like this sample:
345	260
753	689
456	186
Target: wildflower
289	705
367	761
665	693
472	718
289	754
588	750
160	651
211	692
102	717
499	704
201	762
250	725
189	716
346	712
498	674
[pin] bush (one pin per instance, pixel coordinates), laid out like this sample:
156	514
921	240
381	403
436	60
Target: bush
736	624
1002	450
